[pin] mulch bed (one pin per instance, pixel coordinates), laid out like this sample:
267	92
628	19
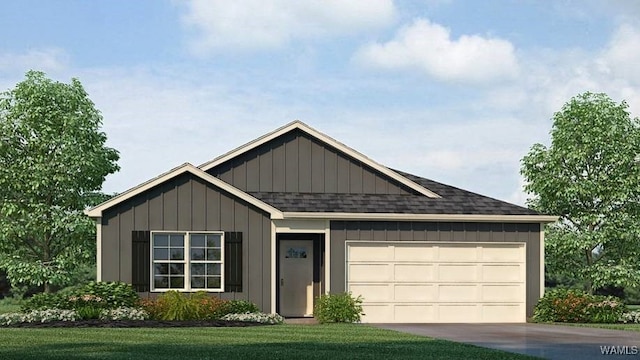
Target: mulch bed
133	324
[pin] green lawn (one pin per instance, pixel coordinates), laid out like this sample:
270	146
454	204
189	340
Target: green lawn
261	342
7	308
626	327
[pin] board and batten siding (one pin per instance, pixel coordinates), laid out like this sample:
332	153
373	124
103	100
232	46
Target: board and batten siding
298	163
342	231
187	203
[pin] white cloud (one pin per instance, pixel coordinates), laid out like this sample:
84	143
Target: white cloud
622	56
259	24
428	47
49	59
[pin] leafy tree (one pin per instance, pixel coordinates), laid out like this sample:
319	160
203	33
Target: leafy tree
53	160
590	177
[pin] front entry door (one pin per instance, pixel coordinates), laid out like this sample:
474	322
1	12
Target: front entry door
296	277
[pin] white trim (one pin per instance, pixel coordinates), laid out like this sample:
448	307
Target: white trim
184	168
98	249
419	217
304	226
541	260
274	260
187	261
326	139
327	256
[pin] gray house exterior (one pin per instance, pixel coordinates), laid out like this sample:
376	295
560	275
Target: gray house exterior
295	214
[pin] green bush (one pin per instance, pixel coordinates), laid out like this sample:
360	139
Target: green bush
173	305
44	301
240	307
114	294
570	305
88	312
111	294
339	308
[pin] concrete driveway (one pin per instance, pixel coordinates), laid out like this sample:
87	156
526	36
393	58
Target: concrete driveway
546	341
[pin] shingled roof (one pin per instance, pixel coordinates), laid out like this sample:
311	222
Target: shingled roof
453	201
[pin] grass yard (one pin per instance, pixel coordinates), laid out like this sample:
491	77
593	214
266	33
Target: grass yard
626	327
260	342
7	308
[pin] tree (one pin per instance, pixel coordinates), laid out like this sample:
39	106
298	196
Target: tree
590	177
53	161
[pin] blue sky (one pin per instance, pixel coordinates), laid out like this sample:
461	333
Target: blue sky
455	91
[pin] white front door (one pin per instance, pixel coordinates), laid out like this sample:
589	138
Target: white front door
296	277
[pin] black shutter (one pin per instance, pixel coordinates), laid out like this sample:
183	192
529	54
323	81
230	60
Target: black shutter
233	262
140	260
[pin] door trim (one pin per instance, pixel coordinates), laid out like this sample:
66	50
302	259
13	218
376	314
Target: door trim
318	244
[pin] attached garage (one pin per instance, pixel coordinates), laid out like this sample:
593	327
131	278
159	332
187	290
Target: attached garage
446	282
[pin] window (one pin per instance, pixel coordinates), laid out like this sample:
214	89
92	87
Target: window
189	261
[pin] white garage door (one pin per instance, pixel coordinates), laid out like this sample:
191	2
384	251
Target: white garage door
420	282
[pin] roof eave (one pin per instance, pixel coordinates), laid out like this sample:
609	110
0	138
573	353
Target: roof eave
422	217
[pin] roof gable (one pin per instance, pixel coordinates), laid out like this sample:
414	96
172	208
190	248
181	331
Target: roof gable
369	166
97	211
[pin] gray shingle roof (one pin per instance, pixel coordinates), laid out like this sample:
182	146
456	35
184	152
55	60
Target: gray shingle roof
453	201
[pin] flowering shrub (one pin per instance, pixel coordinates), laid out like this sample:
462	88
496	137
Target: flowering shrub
570	305
631	317
115	294
38	316
256	317
124	313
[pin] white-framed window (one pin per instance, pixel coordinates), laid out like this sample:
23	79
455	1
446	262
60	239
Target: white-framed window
187	260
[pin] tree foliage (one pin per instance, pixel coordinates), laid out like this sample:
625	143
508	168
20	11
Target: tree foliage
53	161
590	177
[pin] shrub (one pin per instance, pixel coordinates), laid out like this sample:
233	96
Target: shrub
88	312
631	317
208	307
114	294
44	301
605	309
124	313
570	305
241	307
338	308
38	316
174	305
256	317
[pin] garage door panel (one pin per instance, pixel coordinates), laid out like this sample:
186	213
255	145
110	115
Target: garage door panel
461	273
503	273
416	292
414	272
458	293
457	253
506	313
501	253
502	293
411	253
438	281
373	292
376	252
370	272
458	313
377	313
414	313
